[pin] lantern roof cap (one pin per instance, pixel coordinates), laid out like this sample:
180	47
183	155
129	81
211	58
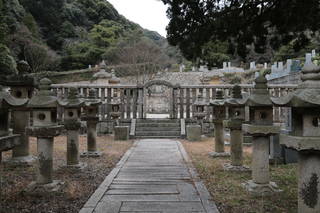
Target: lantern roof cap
73	100
92	99
114	79
7	99
102	74
45	98
236	99
219	100
260	95
308	92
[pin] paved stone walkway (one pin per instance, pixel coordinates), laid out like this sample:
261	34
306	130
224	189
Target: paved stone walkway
153	176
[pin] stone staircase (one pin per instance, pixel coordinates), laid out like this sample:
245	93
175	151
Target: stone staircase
158	128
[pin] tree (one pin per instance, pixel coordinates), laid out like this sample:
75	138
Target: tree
241	22
144	57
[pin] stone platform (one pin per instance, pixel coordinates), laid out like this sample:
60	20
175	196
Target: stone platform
153	176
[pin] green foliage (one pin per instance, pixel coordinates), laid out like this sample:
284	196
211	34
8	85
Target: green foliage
261	24
295	49
79	32
7	63
106	33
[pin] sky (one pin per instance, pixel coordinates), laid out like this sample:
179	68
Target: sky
149	14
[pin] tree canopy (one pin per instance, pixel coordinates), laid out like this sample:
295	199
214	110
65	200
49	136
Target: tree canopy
260	23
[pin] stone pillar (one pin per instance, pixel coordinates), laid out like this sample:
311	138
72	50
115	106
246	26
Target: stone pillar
218	137
236	147
72	147
45	162
260	185
91	140
73	156
236	141
260	160
219	141
308	183
20	154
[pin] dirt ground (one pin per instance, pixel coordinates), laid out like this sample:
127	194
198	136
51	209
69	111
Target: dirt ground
79	185
226	189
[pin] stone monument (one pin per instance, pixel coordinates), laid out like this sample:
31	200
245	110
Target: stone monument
92	118
236	118
305	136
219	114
260	128
72	111
45	127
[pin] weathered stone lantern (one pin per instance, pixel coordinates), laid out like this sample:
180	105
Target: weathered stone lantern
236	118
22	88
45	127
260	127
72	112
219	114
114	80
7	140
91	116
200	105
115	110
305	136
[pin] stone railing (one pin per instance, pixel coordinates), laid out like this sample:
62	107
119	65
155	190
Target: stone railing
132	98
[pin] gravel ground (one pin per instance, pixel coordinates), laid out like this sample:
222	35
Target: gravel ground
79	186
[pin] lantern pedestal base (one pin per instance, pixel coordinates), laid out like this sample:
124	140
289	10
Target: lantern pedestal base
230	168
219	154
56	187
257	189
24	161
77	167
91	154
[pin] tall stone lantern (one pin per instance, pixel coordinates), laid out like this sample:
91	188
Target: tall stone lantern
91	109
72	112
45	127
21	87
219	114
200	104
305	136
234	123
260	127
7	140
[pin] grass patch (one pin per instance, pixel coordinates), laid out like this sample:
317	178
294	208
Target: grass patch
226	188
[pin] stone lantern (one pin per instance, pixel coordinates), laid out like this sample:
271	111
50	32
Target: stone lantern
200	105
236	118
22	88
7	140
114	80
45	127
115	110
260	127
305	136
91	116
219	114
72	111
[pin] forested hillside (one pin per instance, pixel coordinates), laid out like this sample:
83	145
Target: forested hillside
71	34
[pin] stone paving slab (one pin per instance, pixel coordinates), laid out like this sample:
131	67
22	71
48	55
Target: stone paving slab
153	176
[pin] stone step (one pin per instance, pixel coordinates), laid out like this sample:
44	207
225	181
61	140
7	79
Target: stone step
158	133
147	129
158	121
158	125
